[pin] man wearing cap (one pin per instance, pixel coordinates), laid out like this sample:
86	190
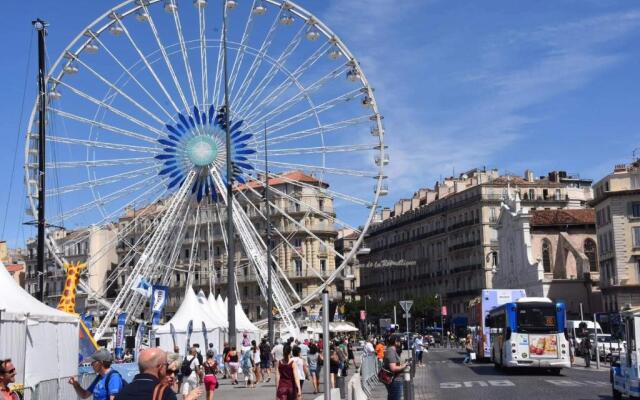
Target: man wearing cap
107	384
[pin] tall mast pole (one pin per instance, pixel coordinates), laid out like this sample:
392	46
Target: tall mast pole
41	27
231	268
268	218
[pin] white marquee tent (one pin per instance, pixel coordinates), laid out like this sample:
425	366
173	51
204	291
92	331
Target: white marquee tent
41	341
243	324
193	309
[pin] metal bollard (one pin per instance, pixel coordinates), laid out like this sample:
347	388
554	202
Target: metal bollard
407	384
341	383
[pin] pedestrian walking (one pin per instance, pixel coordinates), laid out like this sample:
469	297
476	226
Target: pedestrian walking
191	371
418	345
277	353
225	364
7	377
287	379
255	353
265	360
107	383
210	368
246	365
380	351
234	362
468	346
586	351
315	366
369	350
392	365
334	364
301	364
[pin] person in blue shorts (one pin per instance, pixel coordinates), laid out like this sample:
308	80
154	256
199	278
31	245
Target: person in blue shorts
106	385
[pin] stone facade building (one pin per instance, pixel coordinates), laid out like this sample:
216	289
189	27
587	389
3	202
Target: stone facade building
208	255
444	240
617	205
349	281
549	253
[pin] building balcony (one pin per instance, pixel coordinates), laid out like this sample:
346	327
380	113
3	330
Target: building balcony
464	245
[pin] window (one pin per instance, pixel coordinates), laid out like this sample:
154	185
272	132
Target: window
298	267
321	204
323	266
532	194
558	194
635	181
635	209
546	256
590	252
298	287
636	236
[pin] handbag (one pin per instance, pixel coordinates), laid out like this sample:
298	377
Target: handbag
472	355
385	376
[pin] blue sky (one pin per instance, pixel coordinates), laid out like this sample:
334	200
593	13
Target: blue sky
509	85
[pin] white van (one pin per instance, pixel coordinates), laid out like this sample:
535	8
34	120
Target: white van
573	326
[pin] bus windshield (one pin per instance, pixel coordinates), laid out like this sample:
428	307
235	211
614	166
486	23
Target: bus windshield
536	318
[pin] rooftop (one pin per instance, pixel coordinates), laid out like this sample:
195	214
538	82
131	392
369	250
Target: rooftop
563	217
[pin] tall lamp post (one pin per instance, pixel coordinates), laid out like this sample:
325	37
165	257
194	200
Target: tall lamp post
439	297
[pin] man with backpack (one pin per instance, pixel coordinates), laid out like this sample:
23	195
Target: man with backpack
106	385
190	369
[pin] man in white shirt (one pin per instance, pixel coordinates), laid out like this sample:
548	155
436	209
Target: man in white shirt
192	380
277	353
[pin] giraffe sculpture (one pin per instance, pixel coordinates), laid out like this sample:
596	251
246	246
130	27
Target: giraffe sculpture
68	298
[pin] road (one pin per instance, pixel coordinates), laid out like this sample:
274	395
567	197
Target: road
445	377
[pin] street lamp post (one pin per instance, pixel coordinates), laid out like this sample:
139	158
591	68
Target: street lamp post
441	320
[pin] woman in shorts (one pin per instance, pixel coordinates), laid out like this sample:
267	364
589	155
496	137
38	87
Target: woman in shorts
234	362
314	359
210	380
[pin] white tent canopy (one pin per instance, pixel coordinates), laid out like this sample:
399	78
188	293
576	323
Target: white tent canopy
191	309
41	341
243	324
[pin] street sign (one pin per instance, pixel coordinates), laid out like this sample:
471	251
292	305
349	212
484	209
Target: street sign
406	305
363	315
406	315
443	312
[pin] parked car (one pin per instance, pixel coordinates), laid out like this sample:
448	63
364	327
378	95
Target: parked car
607	346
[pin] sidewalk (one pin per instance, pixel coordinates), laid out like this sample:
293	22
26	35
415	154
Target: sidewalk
578	363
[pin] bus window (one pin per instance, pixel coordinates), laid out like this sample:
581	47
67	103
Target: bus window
536	318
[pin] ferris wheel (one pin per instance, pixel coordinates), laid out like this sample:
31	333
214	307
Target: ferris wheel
136	116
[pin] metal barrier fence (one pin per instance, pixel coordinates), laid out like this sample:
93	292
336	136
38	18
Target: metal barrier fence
369	367
57	388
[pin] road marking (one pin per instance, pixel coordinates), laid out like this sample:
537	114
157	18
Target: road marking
468	384
572	383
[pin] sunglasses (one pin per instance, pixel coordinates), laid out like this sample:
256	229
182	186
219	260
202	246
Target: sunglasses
172	371
11	371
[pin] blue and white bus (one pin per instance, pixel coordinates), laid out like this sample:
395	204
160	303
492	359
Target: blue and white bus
529	332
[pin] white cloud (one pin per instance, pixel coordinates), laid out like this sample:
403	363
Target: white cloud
426	143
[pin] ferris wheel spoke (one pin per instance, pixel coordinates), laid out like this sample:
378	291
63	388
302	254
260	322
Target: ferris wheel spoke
290	80
185	56
304	92
114	110
216	92
204	75
257	61
237	62
92	205
301	134
302	205
165	57
325	191
143	58
113	87
101	181
278	233
131	76
318	168
328	105
97	163
322	149
104	126
104	145
275	66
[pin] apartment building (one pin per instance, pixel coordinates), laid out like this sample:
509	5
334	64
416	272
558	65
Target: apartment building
202	259
444	241
617	204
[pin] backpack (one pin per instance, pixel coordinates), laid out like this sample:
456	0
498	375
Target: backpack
200	359
185	368
107	379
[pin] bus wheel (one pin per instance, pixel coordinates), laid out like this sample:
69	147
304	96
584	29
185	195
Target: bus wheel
555	371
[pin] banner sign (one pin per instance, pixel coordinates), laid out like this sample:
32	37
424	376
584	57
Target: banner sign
88	320
363	315
138	341
87	345
443	311
159	298
142	286
119	350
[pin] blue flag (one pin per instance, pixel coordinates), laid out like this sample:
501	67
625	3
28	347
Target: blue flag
119	350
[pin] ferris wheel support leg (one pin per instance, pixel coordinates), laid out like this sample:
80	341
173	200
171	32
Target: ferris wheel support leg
146	260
